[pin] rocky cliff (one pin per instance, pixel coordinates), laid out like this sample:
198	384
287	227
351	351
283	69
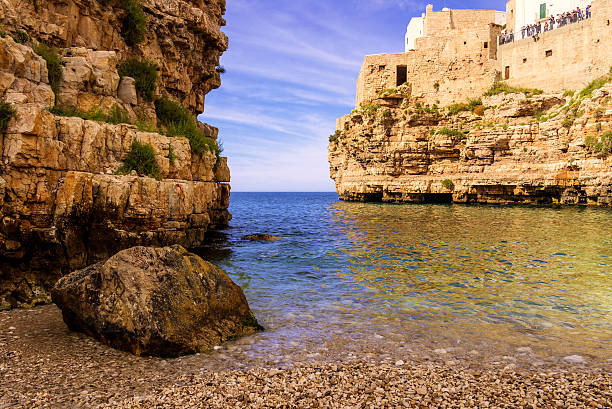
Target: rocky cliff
64	203
513	146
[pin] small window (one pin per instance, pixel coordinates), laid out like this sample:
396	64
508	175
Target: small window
524	60
465	42
382	67
507	72
486	44
548	53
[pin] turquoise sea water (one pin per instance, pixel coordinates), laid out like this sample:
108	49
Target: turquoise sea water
366	278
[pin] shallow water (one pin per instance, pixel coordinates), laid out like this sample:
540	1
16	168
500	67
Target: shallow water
405	281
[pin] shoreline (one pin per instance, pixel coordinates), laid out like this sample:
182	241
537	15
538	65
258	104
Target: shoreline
45	365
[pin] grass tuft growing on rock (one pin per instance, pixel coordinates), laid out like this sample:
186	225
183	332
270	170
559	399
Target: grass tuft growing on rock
134	22
7	112
179	122
503	88
456	134
144	73
601	147
54	65
595	84
21	37
141	159
447	183
116	116
335	137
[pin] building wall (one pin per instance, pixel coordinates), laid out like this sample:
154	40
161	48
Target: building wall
567	58
457	53
413	31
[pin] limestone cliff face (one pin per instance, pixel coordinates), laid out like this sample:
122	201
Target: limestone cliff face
62	205
183	37
543	149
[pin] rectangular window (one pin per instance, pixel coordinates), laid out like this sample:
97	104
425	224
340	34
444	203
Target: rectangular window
543	10
486	44
402	75
507	73
524	60
548	53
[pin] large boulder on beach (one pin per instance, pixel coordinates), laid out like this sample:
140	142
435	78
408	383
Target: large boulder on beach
155	301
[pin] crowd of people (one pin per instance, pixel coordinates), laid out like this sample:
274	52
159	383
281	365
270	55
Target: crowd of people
552	22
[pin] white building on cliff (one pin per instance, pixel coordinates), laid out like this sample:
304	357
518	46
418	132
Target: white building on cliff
524	12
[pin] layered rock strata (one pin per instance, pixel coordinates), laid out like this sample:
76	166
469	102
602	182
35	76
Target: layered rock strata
541	149
62	204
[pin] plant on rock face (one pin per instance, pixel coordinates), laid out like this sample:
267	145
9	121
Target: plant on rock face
602	147
335	137
220	69
171	155
144	74
6	113
503	88
54	65
134	23
448	184
453	133
179	122
436	86
21	37
141	158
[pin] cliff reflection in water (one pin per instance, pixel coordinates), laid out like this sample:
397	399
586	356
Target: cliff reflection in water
504	271
387	276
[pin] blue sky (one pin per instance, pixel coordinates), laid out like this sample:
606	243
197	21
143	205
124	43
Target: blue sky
291	68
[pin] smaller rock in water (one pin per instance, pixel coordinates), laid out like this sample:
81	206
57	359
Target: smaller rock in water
574	359
155	301
261	237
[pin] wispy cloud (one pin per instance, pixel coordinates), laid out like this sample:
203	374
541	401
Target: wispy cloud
291	71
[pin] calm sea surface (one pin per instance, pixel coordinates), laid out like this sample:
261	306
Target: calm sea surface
399	281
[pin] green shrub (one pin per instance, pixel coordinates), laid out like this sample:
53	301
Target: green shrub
6	113
595	84
602	147
453	133
54	65
21	37
386	113
568	93
144	73
503	88
335	137
145	126
568	122
220	69
436	86
370	108
454	109
179	122
141	158
448	184
171	155
116	116
134	22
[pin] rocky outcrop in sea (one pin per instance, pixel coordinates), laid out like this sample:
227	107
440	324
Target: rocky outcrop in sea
511	146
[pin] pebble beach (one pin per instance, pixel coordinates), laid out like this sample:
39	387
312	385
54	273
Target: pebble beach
44	365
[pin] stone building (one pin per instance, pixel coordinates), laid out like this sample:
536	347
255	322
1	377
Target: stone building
566	58
454	56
